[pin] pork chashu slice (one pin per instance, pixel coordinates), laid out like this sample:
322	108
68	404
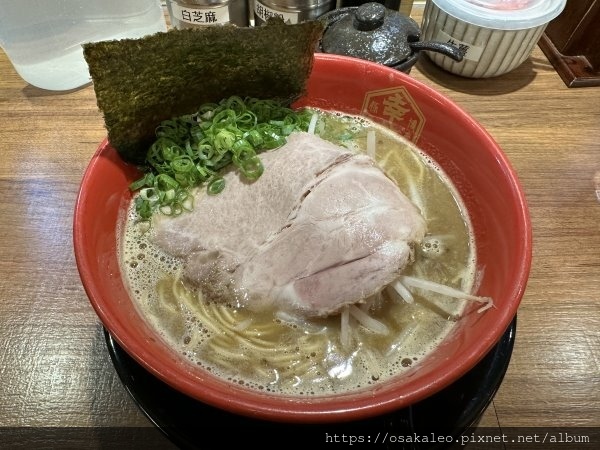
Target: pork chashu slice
321	228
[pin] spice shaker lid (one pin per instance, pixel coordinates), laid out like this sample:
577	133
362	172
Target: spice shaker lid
372	32
503	14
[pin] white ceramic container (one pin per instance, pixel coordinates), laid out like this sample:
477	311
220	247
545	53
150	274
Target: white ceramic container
495	35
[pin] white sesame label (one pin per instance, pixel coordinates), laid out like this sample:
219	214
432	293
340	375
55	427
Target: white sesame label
214	15
472	52
263	13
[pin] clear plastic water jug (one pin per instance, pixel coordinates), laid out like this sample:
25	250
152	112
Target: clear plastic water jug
43	38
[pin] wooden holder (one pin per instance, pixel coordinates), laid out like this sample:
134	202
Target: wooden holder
572	43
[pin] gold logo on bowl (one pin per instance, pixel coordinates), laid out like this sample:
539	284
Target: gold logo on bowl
395	108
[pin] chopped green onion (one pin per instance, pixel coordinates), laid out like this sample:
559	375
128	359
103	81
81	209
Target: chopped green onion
188	202
149	194
216	186
190	150
252	168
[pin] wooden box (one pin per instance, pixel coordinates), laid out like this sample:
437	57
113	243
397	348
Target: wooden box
572	43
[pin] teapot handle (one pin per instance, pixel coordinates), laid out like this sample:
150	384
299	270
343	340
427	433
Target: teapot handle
441	47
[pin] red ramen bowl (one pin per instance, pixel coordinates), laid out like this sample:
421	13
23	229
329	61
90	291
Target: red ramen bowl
470	157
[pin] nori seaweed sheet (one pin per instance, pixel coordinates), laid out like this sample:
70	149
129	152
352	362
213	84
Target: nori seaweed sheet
141	82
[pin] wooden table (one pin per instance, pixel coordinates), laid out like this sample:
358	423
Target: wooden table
55	369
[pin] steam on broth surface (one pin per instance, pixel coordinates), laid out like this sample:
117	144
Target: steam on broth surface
281	352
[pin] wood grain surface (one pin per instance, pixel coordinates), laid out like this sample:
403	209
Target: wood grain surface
55	369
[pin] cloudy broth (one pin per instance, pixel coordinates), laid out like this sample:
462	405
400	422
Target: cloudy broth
288	354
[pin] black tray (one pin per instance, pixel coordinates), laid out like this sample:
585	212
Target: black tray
187	422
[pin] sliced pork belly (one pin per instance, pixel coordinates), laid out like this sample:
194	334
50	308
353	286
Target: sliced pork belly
320	229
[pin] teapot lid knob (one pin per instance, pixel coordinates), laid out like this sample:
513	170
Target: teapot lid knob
369	16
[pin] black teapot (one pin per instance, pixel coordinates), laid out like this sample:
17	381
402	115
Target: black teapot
375	33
